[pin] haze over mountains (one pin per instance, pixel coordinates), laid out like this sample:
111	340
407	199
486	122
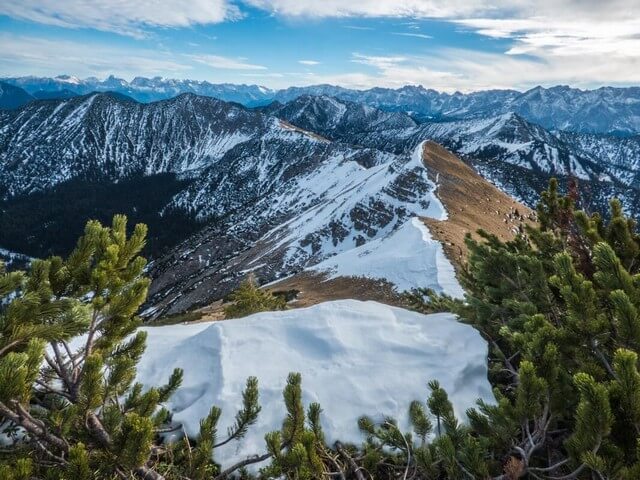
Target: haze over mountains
290	179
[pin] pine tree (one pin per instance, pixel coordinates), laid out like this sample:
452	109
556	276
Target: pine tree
249	298
296	449
559	306
67	395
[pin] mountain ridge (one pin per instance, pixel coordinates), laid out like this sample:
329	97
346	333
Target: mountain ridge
284	187
610	110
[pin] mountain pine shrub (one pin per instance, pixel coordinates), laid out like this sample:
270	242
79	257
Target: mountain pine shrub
559	307
69	404
248	298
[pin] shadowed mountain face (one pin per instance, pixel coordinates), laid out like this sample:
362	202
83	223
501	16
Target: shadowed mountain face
12	97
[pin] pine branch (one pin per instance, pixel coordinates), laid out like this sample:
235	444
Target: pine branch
356	469
22	418
10	345
247	461
603	359
53	391
506	360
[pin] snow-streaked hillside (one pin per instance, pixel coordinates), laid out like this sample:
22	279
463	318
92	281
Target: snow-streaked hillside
408	258
509	138
605	110
356	358
337	206
511	152
506	138
103	136
278	198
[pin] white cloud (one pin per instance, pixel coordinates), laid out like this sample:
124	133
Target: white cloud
357	27
550	30
310	63
370	8
580	42
464	70
225	63
541	36
416	35
129	17
453	9
380	62
24	55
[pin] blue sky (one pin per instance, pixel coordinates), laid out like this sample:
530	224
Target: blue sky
454	45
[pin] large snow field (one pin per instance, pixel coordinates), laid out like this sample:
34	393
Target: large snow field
407	257
355	358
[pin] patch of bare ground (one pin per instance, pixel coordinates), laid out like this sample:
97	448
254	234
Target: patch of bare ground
314	288
472	203
290	126
311	288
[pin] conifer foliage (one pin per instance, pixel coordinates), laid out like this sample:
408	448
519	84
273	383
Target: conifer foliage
68	350
248	298
69	404
560	308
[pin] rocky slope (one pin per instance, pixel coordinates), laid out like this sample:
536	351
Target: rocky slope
333	205
275	197
605	110
317	185
515	154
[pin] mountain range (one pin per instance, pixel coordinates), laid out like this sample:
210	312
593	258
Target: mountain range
606	110
301	183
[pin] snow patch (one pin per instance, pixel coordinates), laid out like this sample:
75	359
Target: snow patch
407	257
356	358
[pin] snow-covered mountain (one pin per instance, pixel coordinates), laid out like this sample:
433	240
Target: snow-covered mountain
106	137
304	214
143	89
513	153
276	198
317	181
606	110
424	104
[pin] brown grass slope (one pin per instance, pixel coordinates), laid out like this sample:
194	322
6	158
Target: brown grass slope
472	203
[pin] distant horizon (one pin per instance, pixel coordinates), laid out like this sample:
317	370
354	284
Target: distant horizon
129	81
